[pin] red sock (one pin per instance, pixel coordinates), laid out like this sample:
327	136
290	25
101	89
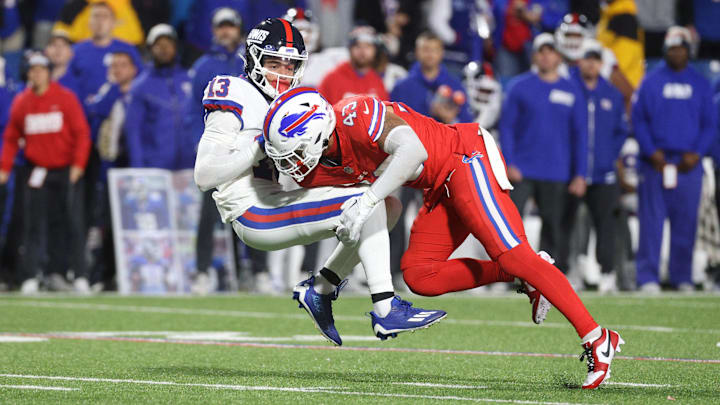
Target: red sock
524	263
440	277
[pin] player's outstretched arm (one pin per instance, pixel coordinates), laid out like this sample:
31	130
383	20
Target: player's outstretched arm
407	155
223	154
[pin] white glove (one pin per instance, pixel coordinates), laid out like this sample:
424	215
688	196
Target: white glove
355	212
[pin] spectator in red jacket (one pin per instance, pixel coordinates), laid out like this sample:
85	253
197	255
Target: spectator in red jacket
356	76
52	125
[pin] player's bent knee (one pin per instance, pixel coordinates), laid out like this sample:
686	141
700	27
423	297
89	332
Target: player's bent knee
421	280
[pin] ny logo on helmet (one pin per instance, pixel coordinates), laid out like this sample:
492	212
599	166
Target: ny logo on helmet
294	125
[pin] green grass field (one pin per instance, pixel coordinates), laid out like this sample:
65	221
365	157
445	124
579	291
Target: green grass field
254	349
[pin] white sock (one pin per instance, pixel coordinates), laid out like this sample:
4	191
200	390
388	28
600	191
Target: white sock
382	308
322	286
592	335
374	251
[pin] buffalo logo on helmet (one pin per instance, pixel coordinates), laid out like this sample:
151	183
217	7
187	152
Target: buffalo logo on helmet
293	125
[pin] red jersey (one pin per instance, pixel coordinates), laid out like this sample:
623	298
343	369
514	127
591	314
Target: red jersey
343	81
53	126
360	122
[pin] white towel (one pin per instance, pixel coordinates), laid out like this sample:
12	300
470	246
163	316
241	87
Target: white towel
496	162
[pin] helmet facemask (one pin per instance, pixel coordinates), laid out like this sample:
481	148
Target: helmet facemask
258	74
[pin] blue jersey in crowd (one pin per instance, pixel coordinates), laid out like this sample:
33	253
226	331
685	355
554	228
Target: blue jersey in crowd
418	92
217	62
673	111
154	131
607	128
88	67
543	128
706	17
468	44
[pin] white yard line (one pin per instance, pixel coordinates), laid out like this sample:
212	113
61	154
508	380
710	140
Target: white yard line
279	315
21	339
38	387
271	345
629	384
335	391
432	385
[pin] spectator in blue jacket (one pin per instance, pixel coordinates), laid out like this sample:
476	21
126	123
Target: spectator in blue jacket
224	58
543	135
154	123
607	131
198	33
675	125
88	67
419	89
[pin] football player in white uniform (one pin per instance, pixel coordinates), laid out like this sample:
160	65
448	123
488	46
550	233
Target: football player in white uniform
232	160
570	36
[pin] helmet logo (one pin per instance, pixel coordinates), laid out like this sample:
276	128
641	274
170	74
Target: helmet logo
257	35
294	125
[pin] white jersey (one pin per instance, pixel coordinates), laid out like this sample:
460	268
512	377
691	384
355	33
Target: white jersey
230	158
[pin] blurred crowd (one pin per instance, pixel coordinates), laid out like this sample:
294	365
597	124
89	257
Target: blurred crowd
606	113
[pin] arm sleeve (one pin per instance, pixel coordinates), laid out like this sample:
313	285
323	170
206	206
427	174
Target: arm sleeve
100	104
80	130
223	154
708	124
641	123
508	119
407	153
133	129
10	138
579	136
439	21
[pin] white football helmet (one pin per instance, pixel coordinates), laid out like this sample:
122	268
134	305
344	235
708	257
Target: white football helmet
484	93
570	34
297	129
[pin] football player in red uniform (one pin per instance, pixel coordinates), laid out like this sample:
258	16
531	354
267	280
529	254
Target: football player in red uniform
466	189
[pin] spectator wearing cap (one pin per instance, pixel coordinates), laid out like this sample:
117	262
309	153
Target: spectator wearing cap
543	134
59	51
607	131
154	127
198	26
356	76
675	124
51	122
419	90
224	58
88	67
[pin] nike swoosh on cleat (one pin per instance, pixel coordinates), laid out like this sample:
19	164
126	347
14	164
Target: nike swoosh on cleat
607	353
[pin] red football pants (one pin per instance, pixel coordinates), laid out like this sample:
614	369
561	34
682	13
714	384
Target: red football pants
477	205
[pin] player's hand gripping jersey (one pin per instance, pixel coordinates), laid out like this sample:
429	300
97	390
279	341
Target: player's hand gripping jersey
234	113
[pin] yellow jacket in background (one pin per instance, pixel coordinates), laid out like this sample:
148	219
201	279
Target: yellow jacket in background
127	24
619	31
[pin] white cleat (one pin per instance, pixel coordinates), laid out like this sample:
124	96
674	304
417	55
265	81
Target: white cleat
540	305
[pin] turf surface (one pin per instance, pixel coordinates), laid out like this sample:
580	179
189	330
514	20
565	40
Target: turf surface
254	349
